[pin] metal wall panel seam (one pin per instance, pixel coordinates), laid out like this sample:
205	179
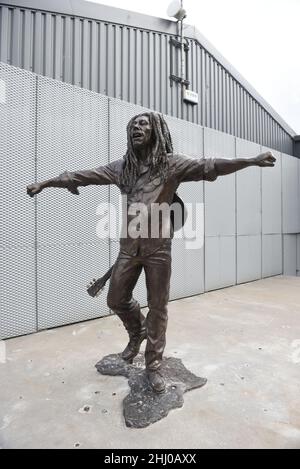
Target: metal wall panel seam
261	222
282	235
36	206
109	161
236	216
204	212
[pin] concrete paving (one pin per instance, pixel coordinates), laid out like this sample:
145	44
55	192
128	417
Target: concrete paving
244	339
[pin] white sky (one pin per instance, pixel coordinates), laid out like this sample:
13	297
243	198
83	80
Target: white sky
260	38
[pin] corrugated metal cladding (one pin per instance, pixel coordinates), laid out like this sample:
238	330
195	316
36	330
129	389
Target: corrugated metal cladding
135	65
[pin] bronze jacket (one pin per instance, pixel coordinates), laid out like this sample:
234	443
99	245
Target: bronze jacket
149	191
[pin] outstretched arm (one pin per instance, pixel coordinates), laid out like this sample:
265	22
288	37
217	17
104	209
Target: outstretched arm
71	180
224	166
208	169
62	181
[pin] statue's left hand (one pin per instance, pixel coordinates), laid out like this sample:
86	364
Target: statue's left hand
265	160
33	189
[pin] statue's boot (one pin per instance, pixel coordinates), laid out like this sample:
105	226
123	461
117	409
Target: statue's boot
134	345
134	322
156	381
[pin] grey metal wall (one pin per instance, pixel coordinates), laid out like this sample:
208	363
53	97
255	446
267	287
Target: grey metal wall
134	64
48	246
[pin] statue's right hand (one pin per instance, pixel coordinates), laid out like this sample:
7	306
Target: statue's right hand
34	189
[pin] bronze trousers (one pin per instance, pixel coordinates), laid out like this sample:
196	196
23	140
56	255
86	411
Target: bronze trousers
127	269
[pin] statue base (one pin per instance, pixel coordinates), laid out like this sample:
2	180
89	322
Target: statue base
143	406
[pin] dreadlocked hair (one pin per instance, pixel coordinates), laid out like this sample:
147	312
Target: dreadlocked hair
161	149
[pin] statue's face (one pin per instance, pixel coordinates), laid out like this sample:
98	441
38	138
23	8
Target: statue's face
141	131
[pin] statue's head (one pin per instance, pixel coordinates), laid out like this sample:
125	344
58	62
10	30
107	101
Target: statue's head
149	131
141	131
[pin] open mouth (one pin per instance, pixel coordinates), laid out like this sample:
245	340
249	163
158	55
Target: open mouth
137	135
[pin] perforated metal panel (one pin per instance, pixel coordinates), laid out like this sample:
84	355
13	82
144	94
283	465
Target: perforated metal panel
290	194
17	155
248	191
187	137
271	197
63	273
272	259
220	262
218	144
249	264
17	212
72	134
17	299
188	254
220	205
290	255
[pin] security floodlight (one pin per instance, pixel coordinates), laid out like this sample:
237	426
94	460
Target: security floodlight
175	10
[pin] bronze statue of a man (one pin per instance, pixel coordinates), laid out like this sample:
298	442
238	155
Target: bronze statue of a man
149	173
